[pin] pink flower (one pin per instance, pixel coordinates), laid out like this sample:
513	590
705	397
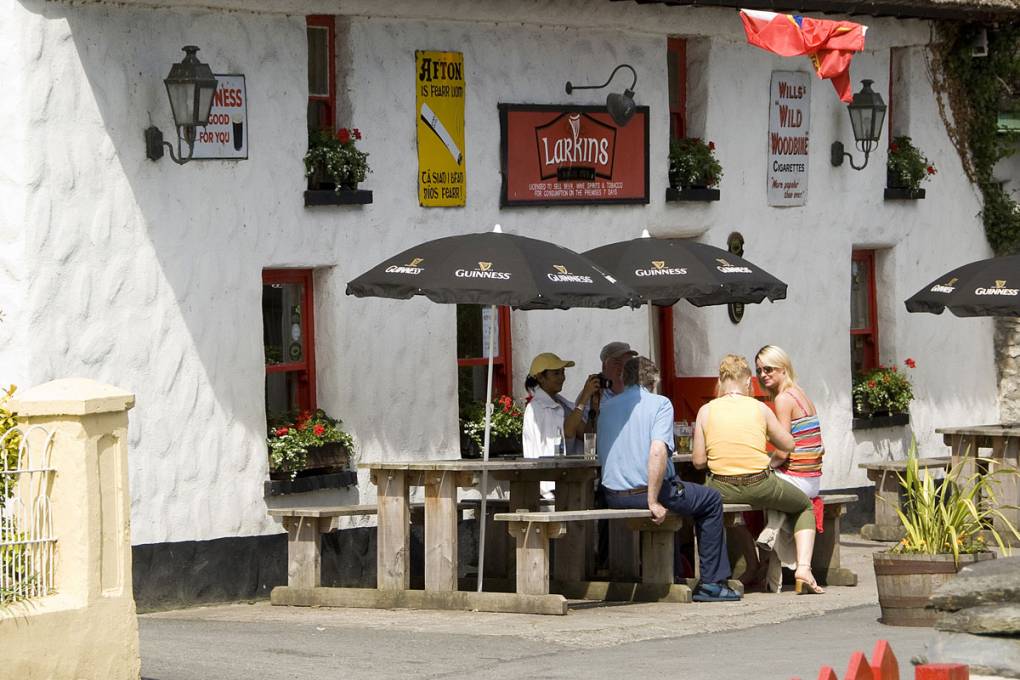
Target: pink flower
318	429
872	384
910	363
357	133
280	431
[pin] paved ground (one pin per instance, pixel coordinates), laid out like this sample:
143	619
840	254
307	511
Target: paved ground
764	636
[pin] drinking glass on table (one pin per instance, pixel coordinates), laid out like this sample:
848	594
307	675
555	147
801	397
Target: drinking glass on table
590	452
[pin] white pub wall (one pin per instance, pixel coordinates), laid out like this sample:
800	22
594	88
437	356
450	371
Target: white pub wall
148	275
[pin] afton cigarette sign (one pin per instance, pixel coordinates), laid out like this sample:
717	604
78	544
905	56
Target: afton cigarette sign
442	165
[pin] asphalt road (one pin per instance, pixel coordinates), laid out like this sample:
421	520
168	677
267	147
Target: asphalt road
232	643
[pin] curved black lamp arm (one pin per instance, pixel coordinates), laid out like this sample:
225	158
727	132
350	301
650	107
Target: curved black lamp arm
837	154
571	87
154	144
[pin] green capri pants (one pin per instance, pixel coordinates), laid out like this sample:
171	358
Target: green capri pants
771	493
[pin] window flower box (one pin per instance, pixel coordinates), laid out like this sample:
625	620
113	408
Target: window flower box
691	194
314	197
876	421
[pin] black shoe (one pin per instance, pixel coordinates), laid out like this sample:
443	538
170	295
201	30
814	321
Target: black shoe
715	592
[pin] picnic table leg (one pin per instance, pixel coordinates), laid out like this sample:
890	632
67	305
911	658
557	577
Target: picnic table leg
393	551
887	525
624	556
964	453
304	556
441	531
657	549
1005	467
572	550
825	562
533	554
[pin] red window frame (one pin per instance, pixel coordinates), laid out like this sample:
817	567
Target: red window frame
870	332
676	48
502	363
324	21
306	367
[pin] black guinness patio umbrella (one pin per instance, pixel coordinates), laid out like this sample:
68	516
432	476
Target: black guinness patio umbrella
984	288
493	268
664	271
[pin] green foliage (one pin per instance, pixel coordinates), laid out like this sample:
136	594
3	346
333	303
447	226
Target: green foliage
9	446
335	157
11	557
950	517
290	438
907	165
976	89
882	389
692	162
507	420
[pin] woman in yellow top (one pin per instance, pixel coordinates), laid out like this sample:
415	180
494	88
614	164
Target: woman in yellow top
730	435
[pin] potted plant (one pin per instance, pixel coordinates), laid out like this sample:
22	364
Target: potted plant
309	442
693	171
906	168
505	428
881	397
945	527
334	167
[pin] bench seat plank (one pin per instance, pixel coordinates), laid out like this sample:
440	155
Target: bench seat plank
901	465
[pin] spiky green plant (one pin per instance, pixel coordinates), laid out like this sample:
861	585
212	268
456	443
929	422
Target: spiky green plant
951	517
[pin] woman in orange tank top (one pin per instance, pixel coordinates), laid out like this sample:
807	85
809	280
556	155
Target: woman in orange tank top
730	435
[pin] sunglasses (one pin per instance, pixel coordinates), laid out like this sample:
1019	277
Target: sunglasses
766	370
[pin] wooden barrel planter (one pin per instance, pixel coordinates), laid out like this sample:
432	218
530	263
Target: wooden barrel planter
905	582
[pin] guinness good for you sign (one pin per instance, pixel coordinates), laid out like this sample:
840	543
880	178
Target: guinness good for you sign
442	170
572	155
789	122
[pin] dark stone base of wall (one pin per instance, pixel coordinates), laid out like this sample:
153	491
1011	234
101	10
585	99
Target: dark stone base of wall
189	573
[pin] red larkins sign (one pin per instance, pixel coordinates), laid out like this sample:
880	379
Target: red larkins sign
572	155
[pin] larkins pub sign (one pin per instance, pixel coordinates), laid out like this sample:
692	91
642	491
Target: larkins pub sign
555	155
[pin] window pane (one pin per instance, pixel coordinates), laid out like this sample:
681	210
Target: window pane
860	291
473	327
318	61
857	353
318	115
673	79
281	322
282	395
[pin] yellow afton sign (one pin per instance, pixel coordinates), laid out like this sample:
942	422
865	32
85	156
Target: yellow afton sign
442	166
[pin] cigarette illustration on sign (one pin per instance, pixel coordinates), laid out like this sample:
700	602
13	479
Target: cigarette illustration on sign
436	125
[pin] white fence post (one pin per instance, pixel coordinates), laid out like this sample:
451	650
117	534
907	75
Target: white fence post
91	611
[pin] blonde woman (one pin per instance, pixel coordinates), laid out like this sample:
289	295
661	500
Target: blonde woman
730	435
798	416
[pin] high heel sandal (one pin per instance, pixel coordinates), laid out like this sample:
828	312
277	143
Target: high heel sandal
805	587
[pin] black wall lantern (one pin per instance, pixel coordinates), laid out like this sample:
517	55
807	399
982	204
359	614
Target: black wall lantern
621	107
867	113
190	86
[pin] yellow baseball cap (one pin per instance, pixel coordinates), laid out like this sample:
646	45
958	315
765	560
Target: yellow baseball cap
547	361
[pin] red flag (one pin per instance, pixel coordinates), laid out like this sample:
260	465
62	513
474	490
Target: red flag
830	44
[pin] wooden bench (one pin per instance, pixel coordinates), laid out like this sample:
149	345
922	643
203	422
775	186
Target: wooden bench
534	530
886	477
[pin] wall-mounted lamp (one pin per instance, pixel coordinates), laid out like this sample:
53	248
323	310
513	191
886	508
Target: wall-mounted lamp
621	107
190	87
867	113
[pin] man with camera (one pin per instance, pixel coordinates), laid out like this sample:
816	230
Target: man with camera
635	442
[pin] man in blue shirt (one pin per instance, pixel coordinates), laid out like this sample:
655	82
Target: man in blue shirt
635	442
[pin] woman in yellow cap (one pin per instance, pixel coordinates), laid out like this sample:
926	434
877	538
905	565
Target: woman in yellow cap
552	424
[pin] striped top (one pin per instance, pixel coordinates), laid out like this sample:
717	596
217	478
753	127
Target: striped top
806	458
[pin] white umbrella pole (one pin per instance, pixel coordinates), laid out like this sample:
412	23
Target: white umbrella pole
485	450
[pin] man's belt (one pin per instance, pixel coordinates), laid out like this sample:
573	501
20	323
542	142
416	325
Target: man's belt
744	480
627	492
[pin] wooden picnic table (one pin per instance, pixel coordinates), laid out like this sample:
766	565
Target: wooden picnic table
573	475
1002	444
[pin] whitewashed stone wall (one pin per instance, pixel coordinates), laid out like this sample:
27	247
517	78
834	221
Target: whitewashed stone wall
147	275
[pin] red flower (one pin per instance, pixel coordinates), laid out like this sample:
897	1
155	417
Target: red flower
357	133
711	146
894	369
931	169
280	431
301	426
318	429
344	135
894	148
872	384
910	363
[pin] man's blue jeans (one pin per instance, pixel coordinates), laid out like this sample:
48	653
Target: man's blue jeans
700	503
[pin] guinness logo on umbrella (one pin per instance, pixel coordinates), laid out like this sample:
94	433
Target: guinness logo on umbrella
727	268
946	287
1000	289
659	268
484	271
999	283
411	267
658	264
484	266
565	276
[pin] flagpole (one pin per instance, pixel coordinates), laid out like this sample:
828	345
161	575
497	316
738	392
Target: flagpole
485	449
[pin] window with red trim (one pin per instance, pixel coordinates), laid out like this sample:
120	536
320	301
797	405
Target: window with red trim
321	72
863	312
676	69
472	357
288	336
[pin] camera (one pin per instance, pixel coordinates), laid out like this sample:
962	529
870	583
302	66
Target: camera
604	382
